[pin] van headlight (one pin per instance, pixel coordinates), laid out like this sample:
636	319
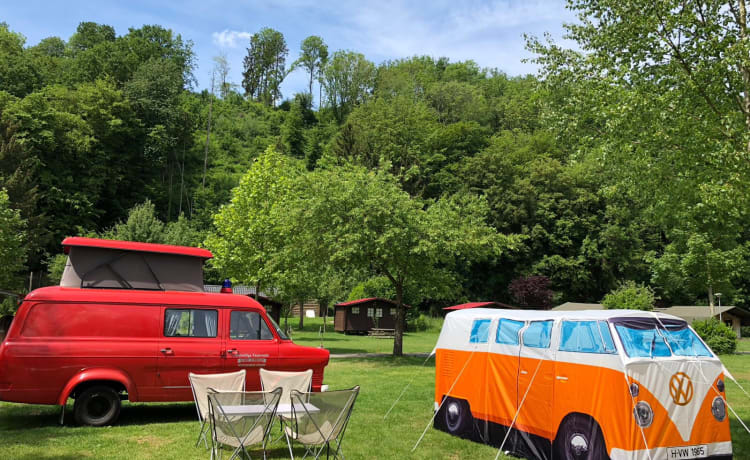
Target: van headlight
718	408
643	414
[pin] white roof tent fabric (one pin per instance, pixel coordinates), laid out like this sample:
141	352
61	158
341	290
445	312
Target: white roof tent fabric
108	264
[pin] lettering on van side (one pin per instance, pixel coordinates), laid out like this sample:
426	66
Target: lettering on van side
252	360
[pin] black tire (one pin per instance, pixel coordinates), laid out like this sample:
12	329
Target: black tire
456	416
580	438
97	405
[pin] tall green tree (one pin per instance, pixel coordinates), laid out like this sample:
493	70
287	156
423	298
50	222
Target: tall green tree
361	220
658	93
265	66
313	56
348	79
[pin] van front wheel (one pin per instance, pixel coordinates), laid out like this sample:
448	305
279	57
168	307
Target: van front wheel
580	438
98	405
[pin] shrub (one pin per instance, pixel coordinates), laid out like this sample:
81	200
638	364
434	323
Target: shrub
717	335
745	331
531	291
425	323
630	295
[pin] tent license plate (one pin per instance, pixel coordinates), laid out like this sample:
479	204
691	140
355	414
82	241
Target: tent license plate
680	453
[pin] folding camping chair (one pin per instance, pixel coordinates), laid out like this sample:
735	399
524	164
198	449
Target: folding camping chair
241	419
201	384
320	419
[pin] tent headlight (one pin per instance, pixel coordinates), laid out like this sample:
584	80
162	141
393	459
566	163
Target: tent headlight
643	414
720	385
634	389
718	408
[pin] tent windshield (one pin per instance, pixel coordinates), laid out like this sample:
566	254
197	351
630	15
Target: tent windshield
652	339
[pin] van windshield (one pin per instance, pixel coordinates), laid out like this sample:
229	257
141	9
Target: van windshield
651	338
282	336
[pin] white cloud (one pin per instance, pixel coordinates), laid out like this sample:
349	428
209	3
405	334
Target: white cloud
230	38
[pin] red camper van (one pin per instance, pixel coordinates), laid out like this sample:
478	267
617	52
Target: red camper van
130	321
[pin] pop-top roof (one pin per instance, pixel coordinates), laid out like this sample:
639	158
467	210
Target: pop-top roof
465	306
79	241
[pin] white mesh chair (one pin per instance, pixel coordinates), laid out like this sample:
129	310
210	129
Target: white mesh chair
320	419
287	381
241	419
202	384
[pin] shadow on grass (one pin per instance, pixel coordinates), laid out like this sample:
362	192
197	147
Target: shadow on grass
145	414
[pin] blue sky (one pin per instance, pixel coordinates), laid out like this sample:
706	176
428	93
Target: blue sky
489	32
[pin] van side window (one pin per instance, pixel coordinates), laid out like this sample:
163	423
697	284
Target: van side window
190	322
507	331
538	334
248	325
480	331
586	337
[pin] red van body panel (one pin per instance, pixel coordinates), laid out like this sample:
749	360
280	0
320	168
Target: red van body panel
63	337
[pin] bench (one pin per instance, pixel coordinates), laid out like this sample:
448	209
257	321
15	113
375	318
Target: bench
382	333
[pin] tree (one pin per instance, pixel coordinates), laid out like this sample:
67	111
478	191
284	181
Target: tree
630	295
348	79
142	225
12	248
313	56
362	220
658	93
247	240
221	70
265	66
532	291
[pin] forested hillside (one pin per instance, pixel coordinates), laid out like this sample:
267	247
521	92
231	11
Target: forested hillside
420	178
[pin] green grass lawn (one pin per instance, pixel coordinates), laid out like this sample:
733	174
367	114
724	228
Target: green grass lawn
743	344
168	431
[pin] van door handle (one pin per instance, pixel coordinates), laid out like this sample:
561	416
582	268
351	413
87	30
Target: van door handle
561	377
232	351
167	351
523	372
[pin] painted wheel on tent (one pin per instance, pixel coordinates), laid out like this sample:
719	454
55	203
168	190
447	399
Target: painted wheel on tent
456	416
97	405
580	438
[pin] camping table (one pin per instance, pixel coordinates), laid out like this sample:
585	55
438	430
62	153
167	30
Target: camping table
256	409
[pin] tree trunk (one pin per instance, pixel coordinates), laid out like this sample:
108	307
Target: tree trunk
301	314
398	337
711	300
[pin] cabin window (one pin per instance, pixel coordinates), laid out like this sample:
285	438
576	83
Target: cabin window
190	323
370	312
586	337
507	331
538	334
355	310
379	313
248	325
480	331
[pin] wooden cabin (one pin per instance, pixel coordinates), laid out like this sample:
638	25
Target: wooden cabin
363	315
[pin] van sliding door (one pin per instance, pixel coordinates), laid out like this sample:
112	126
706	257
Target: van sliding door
536	379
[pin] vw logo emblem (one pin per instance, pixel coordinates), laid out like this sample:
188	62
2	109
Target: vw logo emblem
681	388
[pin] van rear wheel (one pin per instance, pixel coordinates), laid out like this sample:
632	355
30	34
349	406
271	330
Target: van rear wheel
456	416
97	405
580	438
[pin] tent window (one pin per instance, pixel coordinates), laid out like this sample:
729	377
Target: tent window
480	331
586	337
248	325
538	334
652	343
507	331
190	323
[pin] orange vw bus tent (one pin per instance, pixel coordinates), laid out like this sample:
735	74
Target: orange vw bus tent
581	385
